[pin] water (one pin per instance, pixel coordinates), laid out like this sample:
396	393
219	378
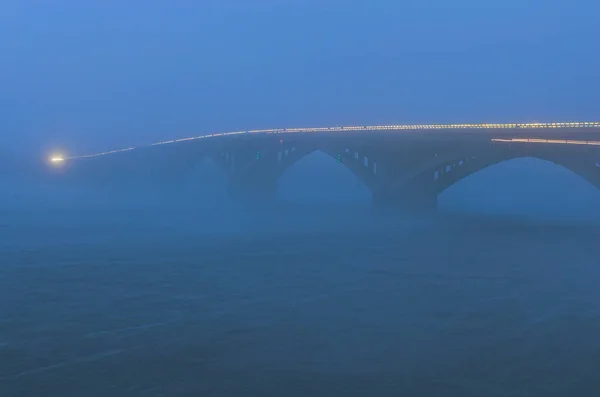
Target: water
350	303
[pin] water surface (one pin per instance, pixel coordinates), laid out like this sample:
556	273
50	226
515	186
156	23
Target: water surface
344	304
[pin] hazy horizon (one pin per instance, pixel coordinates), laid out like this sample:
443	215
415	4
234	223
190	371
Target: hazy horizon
88	76
371	263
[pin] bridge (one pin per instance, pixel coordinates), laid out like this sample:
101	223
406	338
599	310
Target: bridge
404	166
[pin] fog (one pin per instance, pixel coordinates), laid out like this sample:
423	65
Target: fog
316	193
94	76
141	274
155	291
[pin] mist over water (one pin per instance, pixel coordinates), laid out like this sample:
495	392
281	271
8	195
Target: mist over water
164	292
136	273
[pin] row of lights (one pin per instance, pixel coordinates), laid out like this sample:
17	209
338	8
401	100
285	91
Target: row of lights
435	127
57	159
554	141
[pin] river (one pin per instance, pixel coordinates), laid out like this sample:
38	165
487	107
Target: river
338	303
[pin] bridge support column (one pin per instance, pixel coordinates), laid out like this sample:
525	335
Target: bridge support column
418	196
411	202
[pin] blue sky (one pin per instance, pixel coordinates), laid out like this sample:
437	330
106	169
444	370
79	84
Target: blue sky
91	75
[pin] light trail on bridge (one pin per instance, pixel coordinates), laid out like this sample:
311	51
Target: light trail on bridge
396	127
551	141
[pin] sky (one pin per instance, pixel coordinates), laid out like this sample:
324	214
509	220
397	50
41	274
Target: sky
85	76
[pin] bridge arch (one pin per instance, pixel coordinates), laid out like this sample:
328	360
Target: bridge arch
362	166
424	183
319	176
451	172
524	186
276	161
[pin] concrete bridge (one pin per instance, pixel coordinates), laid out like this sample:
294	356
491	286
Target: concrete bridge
404	167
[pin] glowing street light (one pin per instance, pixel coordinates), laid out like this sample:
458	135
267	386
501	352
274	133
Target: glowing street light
57	159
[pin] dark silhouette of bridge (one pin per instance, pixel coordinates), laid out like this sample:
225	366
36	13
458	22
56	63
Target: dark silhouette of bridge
402	169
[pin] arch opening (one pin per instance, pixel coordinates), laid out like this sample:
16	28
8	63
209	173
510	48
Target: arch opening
319	178
525	186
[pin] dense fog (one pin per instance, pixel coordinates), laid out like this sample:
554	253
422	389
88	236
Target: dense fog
527	188
152	290
163	268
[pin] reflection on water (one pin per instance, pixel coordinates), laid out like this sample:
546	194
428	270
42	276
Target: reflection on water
146	304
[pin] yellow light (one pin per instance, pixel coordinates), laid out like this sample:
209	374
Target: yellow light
57	159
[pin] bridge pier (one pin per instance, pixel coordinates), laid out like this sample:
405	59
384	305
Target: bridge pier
418	196
409	202
255	193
